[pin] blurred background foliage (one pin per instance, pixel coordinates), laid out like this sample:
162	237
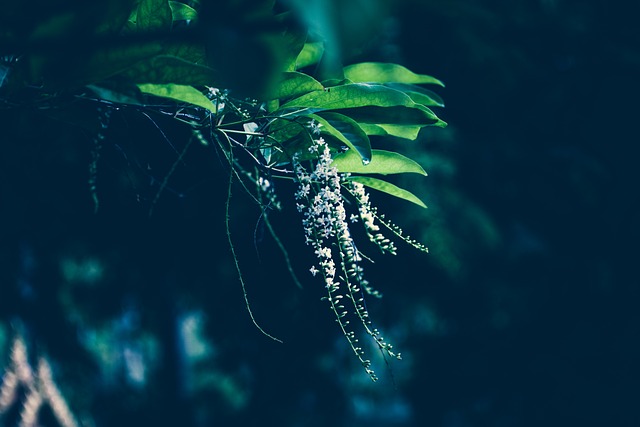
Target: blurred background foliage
523	314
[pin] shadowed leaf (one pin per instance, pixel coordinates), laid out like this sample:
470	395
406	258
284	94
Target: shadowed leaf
166	69
346	131
418	94
154	15
182	12
387	187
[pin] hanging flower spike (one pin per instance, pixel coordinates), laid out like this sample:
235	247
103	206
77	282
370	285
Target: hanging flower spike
326	227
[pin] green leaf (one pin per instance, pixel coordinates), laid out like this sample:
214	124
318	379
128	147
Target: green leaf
336	82
189	52
345	130
311	54
418	115
382	162
288	137
289	44
181	93
182	12
154	15
400	131
352	96
380	72
418	94
387	187
373	129
295	84
113	16
368	103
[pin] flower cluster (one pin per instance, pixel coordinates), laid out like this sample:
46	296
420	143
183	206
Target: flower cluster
368	219
319	198
324	212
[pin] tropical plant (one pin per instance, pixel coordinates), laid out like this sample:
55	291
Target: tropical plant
251	89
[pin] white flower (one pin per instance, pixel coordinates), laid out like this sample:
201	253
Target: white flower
324	252
315	127
313	270
264	183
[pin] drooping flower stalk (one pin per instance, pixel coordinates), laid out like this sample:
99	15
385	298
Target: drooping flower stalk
320	200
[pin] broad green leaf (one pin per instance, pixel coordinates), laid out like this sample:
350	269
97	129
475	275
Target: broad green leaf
154	15
182	12
418	94
289	44
417	115
352	96
311	54
295	84
380	72
382	162
114	16
189	52
346	131
401	131
372	129
387	187
368	103
181	93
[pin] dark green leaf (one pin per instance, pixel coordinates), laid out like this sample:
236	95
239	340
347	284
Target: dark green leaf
311	54
295	84
380	72
165	69
417	115
382	162
289	44
113	15
288	137
387	187
179	93
182	12
189	52
154	15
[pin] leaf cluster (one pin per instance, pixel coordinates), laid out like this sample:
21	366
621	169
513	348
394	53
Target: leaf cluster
150	53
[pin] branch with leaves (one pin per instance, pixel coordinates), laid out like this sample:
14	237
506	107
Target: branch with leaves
278	120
